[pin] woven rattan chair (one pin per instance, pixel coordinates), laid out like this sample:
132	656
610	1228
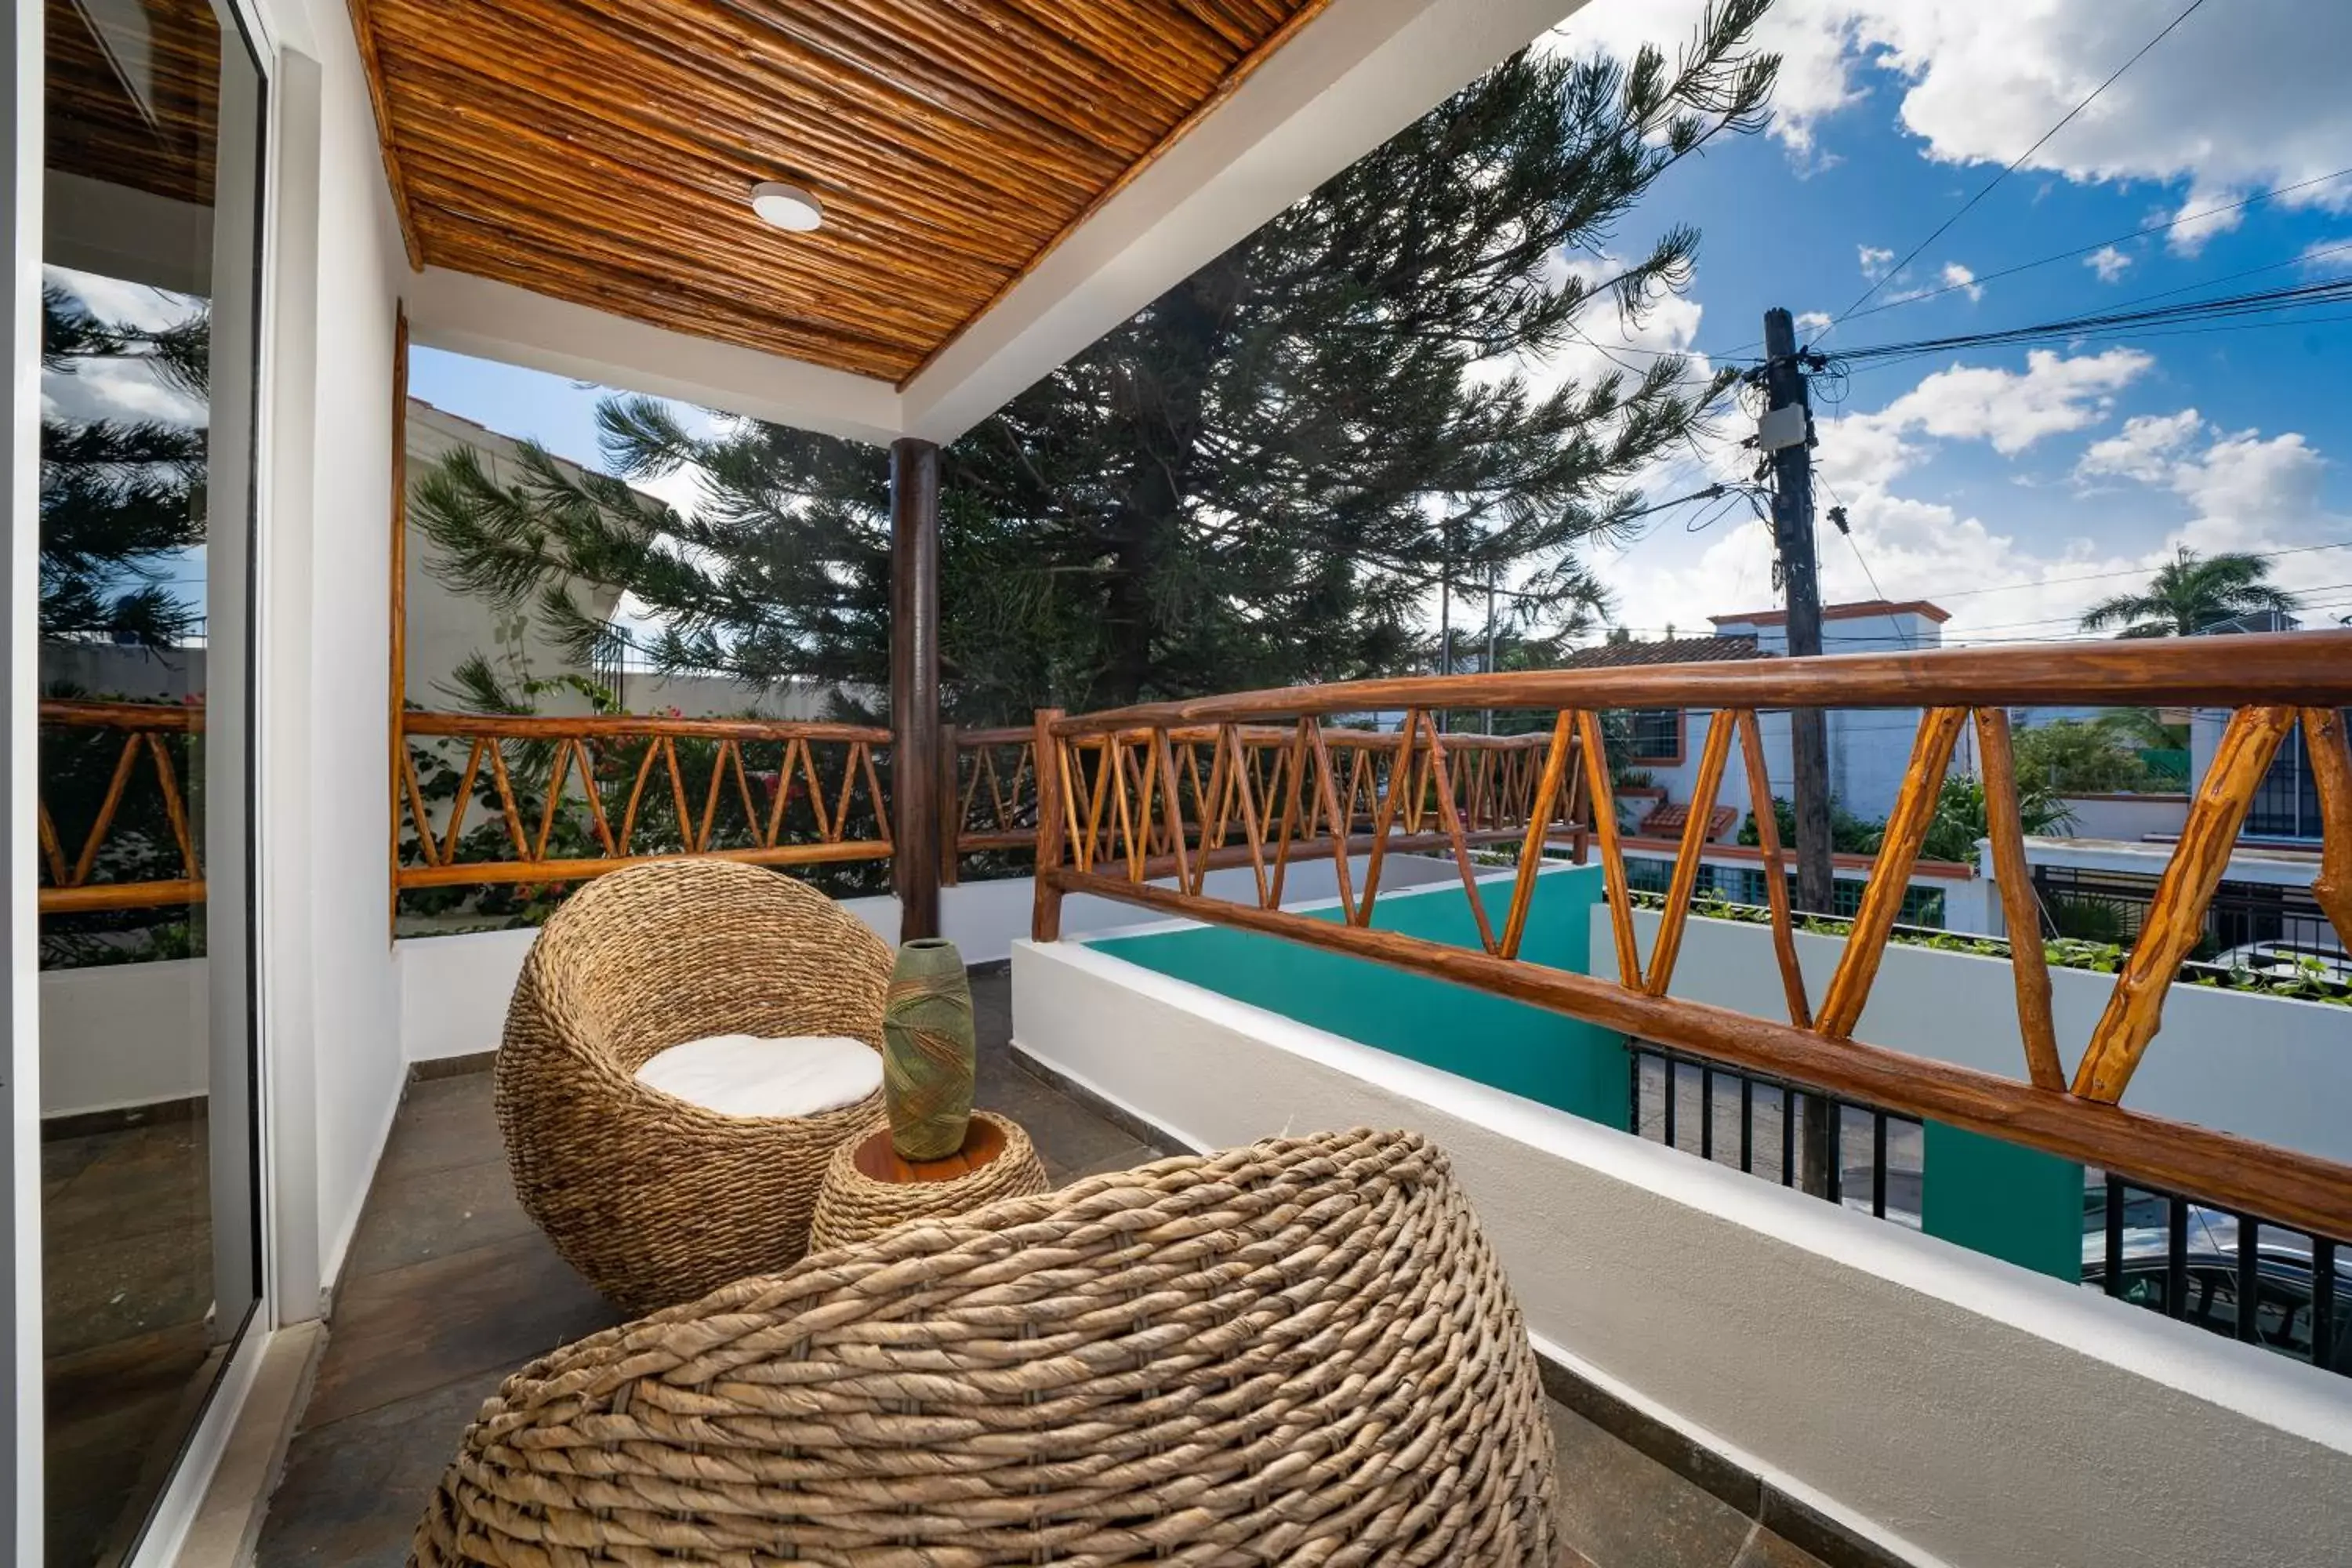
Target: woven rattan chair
654	1199
1299	1351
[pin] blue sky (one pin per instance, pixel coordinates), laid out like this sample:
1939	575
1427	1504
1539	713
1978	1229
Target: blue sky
1998	481
2014	486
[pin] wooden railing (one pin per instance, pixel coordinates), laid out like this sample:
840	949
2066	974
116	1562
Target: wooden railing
993	799
1121	767
141	738
568	798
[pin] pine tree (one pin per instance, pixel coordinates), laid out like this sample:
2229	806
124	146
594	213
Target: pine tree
119	497
1258	480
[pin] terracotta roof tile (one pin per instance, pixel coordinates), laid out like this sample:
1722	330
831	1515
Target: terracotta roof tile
1667	821
1670	650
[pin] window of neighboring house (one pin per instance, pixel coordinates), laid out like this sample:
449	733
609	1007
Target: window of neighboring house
2286	802
1657	736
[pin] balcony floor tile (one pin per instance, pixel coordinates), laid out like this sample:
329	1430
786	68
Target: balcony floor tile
449	1290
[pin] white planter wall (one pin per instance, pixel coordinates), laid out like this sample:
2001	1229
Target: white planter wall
453	989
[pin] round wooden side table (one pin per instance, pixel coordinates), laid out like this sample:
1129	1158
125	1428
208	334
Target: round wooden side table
868	1188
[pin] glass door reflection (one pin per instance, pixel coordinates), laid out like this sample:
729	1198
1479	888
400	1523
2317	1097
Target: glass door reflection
151	266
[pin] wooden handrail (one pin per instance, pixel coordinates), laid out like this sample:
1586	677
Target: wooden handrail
156	717
2281	1185
70	885
617	726
2311	670
1408	787
805	818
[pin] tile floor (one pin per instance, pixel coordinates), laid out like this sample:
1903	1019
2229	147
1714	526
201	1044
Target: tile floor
449	1287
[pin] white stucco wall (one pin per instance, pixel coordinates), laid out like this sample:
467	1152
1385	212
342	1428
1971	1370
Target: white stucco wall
2263	1067
446	627
123	1035
1958	1409
334	1064
2126	817
453	989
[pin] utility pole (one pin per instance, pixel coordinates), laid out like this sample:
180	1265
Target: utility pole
1444	610
1788	442
1490	637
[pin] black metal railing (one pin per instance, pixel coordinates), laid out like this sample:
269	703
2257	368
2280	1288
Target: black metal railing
1750	1121
2228	1272
2248	925
2224	1270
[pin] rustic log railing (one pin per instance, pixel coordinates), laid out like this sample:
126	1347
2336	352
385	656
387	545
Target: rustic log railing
772	793
1121	769
993	803
80	880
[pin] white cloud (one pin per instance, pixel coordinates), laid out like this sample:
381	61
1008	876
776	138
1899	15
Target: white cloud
2009	409
2108	262
683	489
125	389
2247	489
1959	277
1917	548
2244	490
2326	258
133	305
1813	40
2238	99
1873	260
2146	448
1609	343
1809	322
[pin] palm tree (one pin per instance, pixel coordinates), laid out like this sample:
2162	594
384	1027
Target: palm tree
2191	592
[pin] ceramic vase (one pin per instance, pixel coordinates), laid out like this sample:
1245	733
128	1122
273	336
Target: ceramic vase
929	1058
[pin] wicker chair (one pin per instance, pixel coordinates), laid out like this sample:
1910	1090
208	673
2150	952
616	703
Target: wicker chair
1299	1351
654	1199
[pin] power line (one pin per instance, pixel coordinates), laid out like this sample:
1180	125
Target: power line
2129	571
2054	620
2188	312
1978	282
1987	189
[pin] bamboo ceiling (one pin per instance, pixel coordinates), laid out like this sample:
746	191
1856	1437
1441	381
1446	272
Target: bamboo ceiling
133	93
603	152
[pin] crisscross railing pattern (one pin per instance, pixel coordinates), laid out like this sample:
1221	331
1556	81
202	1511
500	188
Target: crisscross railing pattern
140	826
1185	800
994	802
992	794
568	798
1124	816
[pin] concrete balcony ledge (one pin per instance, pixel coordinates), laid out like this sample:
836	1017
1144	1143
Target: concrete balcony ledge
1937	1405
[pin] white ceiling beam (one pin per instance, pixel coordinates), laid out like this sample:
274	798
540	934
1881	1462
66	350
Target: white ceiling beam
470	315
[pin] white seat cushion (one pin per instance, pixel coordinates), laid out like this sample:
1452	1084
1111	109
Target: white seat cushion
744	1075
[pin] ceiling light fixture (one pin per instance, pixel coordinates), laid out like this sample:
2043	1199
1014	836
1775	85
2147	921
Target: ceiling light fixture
786	207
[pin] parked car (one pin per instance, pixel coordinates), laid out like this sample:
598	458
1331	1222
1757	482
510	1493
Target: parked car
2283	1275
2277	960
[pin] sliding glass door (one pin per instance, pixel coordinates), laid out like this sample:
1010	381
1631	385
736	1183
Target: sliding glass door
150	270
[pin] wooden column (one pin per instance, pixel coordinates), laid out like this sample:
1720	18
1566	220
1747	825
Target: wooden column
398	573
914	683
1046	916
